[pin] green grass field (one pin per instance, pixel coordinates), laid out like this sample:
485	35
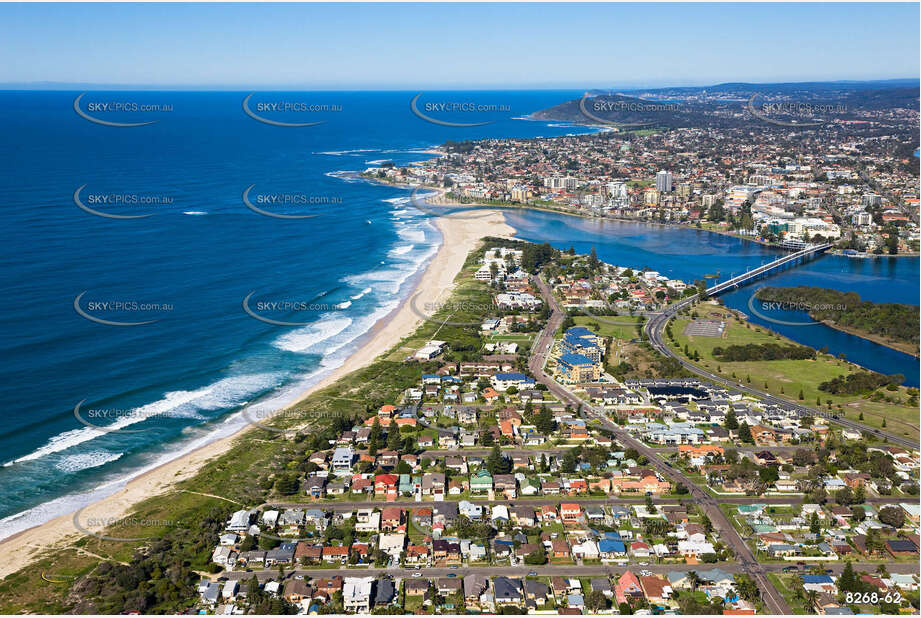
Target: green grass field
623	327
787	378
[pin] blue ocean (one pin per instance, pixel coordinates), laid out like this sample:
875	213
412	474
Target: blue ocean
146	295
180	380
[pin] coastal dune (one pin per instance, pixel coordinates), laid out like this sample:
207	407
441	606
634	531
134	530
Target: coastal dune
460	235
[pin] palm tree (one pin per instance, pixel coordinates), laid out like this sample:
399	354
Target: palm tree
694	580
811	598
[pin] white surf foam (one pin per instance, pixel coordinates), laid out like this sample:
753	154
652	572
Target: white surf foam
339	153
401	250
411	233
303	339
85	461
174	404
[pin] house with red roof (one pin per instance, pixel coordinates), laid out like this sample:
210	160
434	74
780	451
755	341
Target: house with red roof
628	589
385	483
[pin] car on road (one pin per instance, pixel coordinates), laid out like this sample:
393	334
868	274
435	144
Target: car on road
417	574
452	574
454	566
790	569
532	574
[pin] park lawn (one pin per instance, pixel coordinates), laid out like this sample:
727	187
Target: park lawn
786	378
519	338
615	326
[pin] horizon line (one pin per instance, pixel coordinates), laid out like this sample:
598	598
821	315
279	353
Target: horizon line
69	86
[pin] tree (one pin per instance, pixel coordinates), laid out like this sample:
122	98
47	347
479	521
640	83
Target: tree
593	261
747	587
596	601
844	496
745	433
892	516
374	437
731	423
569	462
812	597
394	441
768	474
847	582
537	557
814	526
544	421
706	523
286	484
497	463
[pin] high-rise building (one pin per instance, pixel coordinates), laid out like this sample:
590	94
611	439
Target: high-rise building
664	182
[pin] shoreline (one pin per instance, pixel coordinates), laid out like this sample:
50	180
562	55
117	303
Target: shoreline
878	340
433	283
446	201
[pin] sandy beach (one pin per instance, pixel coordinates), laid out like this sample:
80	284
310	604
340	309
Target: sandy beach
460	236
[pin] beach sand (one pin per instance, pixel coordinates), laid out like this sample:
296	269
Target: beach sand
460	236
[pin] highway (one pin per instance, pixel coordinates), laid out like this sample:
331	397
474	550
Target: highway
654	331
772	598
547	570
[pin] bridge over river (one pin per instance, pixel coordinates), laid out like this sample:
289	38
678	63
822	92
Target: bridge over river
788	260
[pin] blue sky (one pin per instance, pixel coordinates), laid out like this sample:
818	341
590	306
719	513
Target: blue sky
395	46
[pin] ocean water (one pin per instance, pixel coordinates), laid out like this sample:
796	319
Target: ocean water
181	380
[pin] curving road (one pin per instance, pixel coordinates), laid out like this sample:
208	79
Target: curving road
724	530
654	328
